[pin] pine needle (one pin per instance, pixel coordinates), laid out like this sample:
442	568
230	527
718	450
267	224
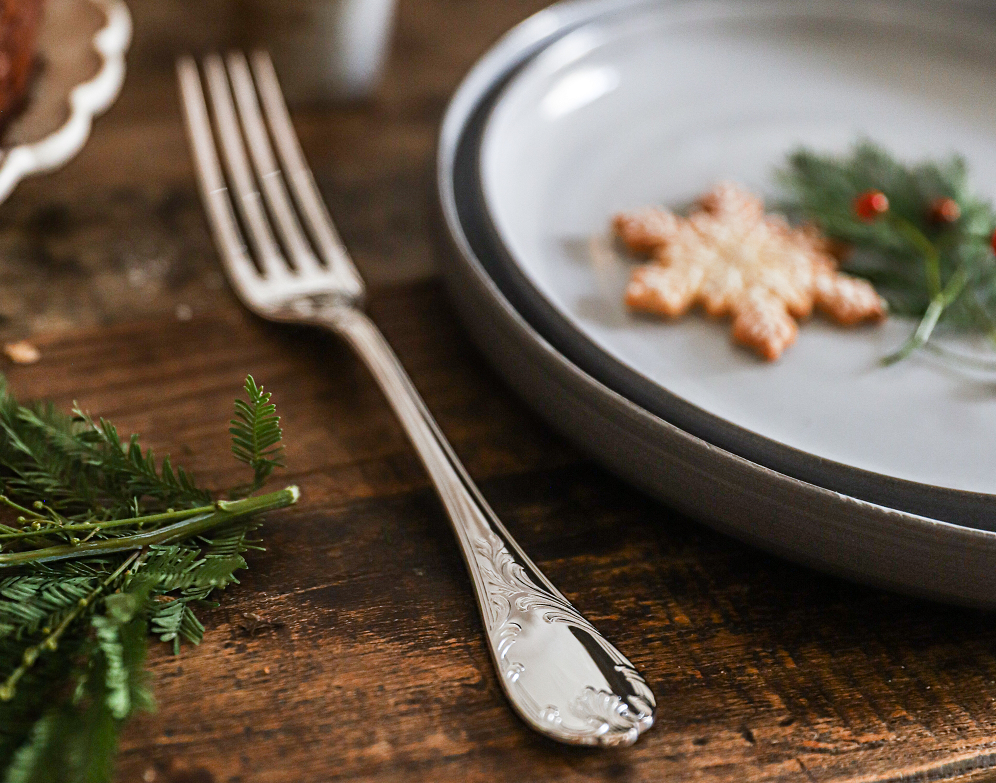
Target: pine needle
941	272
256	436
102	544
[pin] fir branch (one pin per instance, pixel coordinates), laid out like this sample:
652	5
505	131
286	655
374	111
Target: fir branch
256	435
106	544
82	469
936	266
29	603
51	640
128	472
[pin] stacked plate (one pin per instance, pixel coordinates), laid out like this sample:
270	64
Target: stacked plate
881	474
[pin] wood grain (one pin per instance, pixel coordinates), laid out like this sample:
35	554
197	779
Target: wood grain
352	648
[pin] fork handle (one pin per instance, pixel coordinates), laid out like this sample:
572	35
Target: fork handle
560	674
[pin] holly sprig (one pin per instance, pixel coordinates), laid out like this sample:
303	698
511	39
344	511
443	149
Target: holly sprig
101	544
918	233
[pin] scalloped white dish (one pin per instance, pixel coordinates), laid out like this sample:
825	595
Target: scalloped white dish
81	55
656	103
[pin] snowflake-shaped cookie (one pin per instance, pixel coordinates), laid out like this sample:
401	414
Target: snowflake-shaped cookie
734	260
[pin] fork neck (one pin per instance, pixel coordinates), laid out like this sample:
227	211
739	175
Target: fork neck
321	309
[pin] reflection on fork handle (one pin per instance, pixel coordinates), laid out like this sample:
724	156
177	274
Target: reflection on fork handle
561	676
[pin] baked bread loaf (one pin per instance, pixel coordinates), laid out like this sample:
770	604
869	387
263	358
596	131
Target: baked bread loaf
19	21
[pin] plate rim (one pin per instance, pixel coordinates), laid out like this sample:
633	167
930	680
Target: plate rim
964	507
86	101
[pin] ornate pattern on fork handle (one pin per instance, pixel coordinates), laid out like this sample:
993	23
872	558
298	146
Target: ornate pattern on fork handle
560	674
595	714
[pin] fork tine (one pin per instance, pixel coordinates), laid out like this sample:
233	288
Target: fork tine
247	198
221	216
265	164
299	176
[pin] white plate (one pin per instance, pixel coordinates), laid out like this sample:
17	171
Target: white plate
656	103
81	51
796	519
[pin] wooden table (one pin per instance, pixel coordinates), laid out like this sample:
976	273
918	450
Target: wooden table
352	649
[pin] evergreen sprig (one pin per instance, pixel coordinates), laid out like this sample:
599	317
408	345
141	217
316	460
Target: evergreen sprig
933	264
101	545
256	435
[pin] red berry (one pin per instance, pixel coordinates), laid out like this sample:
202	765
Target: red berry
870	205
992	241
944	210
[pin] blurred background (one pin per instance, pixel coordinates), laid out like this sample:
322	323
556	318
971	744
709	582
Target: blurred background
120	232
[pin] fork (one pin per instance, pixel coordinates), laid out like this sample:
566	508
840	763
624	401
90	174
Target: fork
562	677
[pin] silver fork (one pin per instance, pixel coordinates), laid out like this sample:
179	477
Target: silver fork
561	676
